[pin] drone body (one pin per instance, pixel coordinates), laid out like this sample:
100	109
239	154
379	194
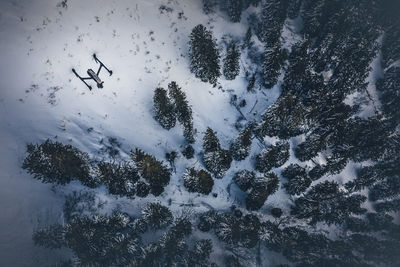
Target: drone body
93	75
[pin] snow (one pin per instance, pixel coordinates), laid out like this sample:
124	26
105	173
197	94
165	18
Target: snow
41	98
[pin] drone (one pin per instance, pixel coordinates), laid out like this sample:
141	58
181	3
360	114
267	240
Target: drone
93	75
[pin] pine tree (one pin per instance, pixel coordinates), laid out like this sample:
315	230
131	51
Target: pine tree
252	82
183	110
119	178
273	62
294	8
313	14
218	162
156	215
216	159
298	180
326	202
247	41
261	189
273	16
153	171
204	55
188	152
272	157
209	6
285	118
242	145
388	87
198	181
244	179
231	62
234	8
164	109
210	141
207	220
57	163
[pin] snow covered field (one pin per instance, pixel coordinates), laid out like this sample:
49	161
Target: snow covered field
146	46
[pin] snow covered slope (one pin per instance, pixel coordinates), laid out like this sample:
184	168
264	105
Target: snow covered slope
145	44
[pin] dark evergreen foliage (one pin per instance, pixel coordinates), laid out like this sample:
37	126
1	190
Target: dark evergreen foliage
276	212
238	231
390	93
234	8
273	16
120	178
244	179
298	180
188	152
183	111
294	8
216	159
326	202
156	215
252	82
285	118
53	162
242	145
164	109
231	66
209	6
273	58
198	181
272	157
262	188
152	170
204	55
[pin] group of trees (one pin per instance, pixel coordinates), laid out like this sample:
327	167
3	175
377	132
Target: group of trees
116	239
54	162
171	107
333	61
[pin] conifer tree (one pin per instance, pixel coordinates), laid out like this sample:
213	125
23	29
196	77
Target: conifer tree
273	62
294	8
242	145
209	6
153	171
53	162
247	42
156	215
164	109
272	157
216	159
183	111
120	178
234	8
204	55
285	118
326	202
210	141
244	179
198	181
273	16
298	180
261	189
231	62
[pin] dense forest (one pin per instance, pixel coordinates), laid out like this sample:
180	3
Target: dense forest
329	118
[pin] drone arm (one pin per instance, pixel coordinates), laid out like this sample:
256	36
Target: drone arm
83	79
98	72
101	65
